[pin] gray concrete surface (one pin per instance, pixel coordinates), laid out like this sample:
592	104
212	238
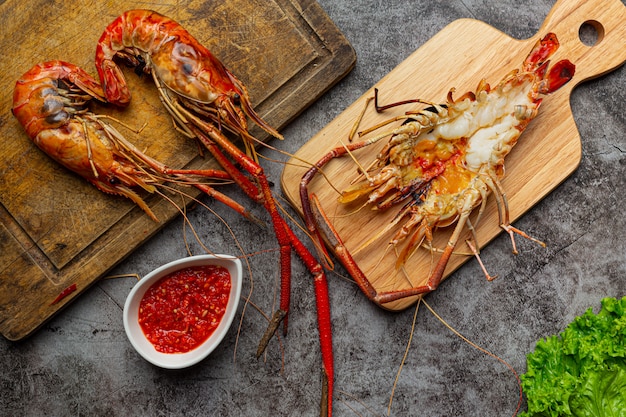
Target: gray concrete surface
81	364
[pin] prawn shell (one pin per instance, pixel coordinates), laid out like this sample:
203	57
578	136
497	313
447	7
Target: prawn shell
182	63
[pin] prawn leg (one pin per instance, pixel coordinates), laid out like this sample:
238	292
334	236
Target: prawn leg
184	175
318	221
287	240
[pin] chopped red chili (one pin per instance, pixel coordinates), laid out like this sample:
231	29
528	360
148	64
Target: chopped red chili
181	310
64	294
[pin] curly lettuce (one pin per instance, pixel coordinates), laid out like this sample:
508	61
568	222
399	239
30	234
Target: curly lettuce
582	371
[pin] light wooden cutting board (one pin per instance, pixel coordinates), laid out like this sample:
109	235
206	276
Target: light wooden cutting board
55	228
459	56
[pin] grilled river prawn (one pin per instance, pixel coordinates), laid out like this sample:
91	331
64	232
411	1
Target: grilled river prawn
50	101
205	99
441	164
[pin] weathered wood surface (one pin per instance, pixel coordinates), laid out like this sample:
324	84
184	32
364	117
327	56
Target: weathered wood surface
460	56
55	228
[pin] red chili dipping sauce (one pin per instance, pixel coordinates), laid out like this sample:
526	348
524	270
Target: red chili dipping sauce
182	309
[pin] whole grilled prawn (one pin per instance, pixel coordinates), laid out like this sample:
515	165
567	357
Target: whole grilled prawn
50	101
157	45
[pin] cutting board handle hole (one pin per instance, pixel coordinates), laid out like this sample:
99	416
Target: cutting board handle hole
591	32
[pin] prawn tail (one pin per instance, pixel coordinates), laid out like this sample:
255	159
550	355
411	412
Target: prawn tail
113	83
560	74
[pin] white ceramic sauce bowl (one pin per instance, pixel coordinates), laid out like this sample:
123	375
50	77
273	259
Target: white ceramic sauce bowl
181	360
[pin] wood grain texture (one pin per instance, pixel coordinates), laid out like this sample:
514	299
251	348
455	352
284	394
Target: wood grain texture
460	56
55	228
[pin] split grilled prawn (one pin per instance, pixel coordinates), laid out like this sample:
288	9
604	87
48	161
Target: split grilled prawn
206	102
441	164
50	101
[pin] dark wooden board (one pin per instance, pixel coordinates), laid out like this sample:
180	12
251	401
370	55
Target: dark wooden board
55	228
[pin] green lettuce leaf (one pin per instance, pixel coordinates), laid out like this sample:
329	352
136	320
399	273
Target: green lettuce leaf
603	394
582	371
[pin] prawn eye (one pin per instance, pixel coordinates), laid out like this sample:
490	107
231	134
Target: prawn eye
188	68
52	106
236	98
140	65
114	181
56	118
